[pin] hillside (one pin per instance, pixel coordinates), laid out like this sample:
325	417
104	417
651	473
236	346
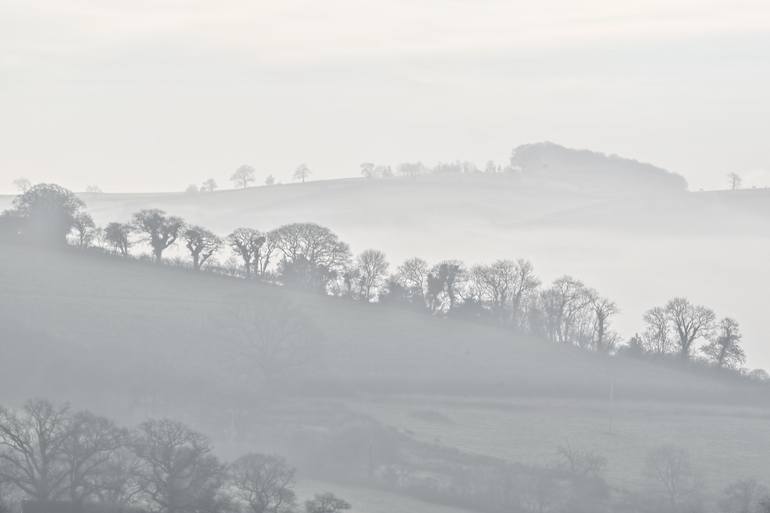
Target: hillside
140	324
132	339
638	249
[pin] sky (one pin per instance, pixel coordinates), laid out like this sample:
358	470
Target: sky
139	95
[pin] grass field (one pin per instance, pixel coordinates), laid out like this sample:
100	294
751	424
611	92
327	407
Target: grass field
726	443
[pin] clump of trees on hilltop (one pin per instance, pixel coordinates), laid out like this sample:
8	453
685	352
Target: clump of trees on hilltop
308	256
60	458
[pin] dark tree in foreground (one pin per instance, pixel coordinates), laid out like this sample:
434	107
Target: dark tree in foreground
160	229
178	472
88	453
48	212
201	243
246	243
118	235
50	453
33	446
264	483
326	503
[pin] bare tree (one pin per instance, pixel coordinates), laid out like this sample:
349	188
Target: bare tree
373	267
266	252
88	452
22	185
689	322
178	472
495	283
656	338
302	173
581	463
565	303
84	227
725	348
326	503
264	483
524	286
33	448
312	255
202	244
671	470
413	275
745	496
161	230
118	235
734	180
603	309
246	242
243	176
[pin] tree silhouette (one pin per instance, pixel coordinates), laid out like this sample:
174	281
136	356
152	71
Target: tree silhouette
118	235
246	243
48	212
201	243
161	230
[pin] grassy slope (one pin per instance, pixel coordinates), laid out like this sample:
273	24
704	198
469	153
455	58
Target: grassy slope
171	324
639	250
103	331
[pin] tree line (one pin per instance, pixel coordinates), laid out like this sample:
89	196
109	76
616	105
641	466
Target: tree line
308	256
53	455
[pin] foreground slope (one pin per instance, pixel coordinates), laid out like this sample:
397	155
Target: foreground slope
133	339
70	318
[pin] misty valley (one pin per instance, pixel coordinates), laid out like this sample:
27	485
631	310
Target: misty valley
242	351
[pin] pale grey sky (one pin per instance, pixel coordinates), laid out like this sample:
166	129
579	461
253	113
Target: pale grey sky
153	95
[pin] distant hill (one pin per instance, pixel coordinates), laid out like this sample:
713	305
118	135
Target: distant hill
549	162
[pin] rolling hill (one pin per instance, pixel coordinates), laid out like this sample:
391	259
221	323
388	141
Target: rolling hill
638	248
132	339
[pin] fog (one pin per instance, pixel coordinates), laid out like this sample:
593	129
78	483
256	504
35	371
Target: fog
261	257
133	98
